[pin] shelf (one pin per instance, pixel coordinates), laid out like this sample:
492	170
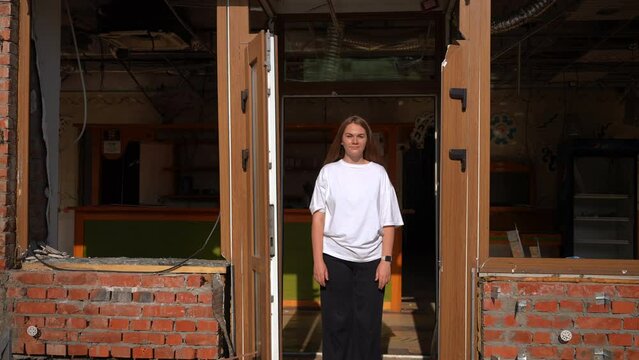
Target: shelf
602	218
192	168
603	196
601	242
193	197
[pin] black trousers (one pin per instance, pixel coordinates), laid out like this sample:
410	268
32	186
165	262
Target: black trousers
351	311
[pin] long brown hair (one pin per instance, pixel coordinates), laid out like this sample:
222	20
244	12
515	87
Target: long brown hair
336	150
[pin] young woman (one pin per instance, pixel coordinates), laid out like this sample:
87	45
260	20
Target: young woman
355	213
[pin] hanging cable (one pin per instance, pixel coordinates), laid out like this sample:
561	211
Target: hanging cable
524	15
82	81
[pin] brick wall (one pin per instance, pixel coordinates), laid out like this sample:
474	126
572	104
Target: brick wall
8	117
99	315
553	306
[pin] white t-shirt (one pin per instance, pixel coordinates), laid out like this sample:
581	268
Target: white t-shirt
358	200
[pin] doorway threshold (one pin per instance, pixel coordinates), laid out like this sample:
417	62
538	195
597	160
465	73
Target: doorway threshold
309	355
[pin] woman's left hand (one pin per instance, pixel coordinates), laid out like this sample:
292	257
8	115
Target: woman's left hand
383	273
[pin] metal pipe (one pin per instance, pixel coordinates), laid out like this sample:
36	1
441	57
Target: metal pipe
333	13
526	13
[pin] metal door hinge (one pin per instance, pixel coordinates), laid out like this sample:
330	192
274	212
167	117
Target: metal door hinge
268	52
244	96
458	155
245	158
459	94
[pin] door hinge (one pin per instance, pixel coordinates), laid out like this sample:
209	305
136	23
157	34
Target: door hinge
459	94
245	159
244	96
458	155
271	229
267	56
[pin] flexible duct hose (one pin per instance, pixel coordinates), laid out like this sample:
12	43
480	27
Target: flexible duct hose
333	50
524	15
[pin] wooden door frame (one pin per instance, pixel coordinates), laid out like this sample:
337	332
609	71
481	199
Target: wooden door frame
466	66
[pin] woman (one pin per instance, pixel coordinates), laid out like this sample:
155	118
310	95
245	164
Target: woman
355	213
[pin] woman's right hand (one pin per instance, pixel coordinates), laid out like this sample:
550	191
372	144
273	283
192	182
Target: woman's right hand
320	273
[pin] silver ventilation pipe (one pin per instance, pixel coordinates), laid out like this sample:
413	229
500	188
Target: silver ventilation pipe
526	13
333	46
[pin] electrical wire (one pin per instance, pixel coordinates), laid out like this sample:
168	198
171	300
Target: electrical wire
82	81
169	269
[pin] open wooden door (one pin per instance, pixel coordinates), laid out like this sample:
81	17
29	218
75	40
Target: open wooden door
260	279
463	182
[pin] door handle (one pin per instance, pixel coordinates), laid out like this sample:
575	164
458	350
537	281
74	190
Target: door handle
458	155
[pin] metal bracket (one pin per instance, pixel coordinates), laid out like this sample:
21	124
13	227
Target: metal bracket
602	299
458	155
271	229
602	354
245	158
522	356
494	292
520	306
244	97
459	94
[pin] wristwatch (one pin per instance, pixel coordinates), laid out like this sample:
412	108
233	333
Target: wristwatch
387	258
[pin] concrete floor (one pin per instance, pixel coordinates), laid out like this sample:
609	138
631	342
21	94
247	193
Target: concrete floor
405	335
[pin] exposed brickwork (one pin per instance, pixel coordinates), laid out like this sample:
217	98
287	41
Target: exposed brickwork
555	306
106	315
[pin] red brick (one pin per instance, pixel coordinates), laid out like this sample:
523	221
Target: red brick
16	293
174	339
56	293
185	353
598	323
583	353
632	354
207	353
184	325
100	337
207	325
37	293
138	325
164	353
620	339
623	307
75	278
571	306
595	339
127	280
567	353
628	291
536	321
143	338
99	351
493	335
489	320
53	335
562	322
119	310
200	339
68	308
142	353
186	298
489	304
543	352
56	322
546	306
121	352
205	298
77	323
195	281
164	297
174	282
598	308
98	323
35	308
148	281
35	321
34	348
119	324
78	294
509	352
542	338
77	350
170	311
541	289
200	312
162	325
589	291
631	324
34	278
91	309
521	336
56	349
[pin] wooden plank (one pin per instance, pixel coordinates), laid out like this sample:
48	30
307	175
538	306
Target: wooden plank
24	61
560	266
187	269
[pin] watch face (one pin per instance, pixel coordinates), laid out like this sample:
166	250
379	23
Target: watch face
388	258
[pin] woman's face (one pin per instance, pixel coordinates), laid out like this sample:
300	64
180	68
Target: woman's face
354	141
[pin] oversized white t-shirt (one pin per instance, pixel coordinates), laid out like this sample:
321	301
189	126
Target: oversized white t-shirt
358	200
